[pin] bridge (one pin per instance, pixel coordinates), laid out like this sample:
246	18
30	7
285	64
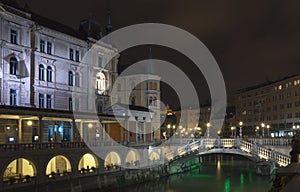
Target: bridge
253	148
75	160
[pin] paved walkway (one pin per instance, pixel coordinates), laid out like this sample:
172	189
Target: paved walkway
294	184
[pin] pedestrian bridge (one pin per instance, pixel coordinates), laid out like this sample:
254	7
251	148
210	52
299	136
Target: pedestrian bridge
249	148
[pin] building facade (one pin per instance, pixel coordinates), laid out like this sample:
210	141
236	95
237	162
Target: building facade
270	109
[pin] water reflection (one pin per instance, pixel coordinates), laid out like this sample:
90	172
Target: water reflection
217	173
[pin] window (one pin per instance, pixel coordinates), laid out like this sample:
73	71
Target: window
13	36
77	58
71	76
13	68
42	46
289	105
289	115
71	56
41	72
49	102
13	97
70	104
41	100
49	48
49	74
100	83
77	79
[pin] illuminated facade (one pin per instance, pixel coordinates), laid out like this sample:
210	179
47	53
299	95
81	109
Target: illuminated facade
270	109
42	65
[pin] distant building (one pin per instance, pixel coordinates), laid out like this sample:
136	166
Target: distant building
271	108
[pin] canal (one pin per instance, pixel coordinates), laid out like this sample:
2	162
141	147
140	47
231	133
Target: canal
217	173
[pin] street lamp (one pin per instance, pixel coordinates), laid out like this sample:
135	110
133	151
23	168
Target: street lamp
262	129
268	127
241	126
232	128
208	125
257	130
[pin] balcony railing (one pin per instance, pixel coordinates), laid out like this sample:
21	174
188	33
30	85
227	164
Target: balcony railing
40	146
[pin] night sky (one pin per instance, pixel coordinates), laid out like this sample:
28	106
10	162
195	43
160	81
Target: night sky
252	41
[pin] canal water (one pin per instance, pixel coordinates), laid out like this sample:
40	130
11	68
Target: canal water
217	173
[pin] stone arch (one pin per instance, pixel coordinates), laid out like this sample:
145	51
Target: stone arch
20	169
154	156
88	163
132	158
112	160
58	165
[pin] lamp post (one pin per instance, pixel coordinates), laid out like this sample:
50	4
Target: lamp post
257	130
262	129
169	131
241	126
232	128
268	127
208	125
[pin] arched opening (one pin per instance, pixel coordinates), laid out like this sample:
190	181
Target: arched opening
49	74
132	159
19	170
58	166
88	163
71	78
41	72
100	83
112	160
154	156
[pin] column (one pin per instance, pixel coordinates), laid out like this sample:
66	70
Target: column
144	131
20	131
136	130
73	130
81	131
151	131
40	129
53	133
128	130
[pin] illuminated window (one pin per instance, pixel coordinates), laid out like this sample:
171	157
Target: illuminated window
13	66
88	162
279	87
100	83
58	166
20	167
112	160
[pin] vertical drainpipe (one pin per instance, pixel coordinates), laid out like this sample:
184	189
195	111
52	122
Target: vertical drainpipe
32	65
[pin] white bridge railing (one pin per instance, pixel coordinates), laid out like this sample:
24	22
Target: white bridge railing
251	147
